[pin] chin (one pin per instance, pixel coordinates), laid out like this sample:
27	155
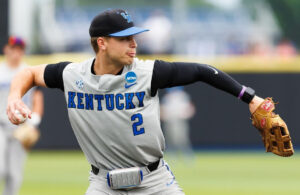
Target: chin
129	62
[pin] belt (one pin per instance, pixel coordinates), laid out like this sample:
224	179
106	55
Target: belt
151	167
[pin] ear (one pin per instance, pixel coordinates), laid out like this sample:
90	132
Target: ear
101	43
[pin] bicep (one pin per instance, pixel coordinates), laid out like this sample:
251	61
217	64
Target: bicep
171	74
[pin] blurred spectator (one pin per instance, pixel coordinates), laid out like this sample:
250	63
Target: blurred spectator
176	110
12	153
158	39
234	46
285	48
259	48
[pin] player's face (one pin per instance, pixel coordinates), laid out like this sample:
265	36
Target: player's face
121	50
13	55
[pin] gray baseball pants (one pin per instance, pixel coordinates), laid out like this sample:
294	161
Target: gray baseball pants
159	182
12	159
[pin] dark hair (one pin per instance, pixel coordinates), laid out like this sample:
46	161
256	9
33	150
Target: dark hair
95	44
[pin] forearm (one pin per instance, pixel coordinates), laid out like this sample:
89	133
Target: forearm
168	74
21	83
26	79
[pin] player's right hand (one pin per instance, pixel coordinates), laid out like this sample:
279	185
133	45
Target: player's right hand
13	106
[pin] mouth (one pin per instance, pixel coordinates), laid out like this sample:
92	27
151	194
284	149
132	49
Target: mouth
131	54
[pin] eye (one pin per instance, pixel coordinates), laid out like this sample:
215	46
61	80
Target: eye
123	38
128	38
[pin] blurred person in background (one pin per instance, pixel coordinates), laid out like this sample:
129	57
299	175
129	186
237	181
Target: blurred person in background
176	111
12	152
259	48
158	40
285	48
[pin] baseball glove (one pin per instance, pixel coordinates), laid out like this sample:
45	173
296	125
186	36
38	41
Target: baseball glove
274	131
27	134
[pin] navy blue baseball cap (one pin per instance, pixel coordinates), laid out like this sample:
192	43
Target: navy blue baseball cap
114	23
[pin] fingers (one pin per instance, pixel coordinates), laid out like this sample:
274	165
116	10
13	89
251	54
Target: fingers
17	112
9	111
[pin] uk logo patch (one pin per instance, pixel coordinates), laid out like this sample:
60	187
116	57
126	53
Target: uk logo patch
130	79
80	84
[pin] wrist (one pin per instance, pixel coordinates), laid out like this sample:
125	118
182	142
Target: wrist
14	96
246	94
254	104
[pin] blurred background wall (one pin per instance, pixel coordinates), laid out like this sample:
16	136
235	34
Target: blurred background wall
263	33
3	23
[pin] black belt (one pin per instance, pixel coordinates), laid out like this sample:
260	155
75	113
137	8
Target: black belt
151	167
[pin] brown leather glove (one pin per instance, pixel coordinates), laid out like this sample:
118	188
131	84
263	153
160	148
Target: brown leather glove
274	131
27	134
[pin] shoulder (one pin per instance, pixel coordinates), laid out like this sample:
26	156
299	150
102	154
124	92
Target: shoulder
146	65
80	67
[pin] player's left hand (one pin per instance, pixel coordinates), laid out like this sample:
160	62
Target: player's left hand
273	129
256	101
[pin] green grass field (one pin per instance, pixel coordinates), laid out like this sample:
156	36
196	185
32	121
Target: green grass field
208	173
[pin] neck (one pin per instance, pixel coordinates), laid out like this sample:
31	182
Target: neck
103	66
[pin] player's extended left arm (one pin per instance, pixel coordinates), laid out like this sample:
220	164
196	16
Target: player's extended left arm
170	74
273	129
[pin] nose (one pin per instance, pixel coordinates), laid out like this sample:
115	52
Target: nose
133	43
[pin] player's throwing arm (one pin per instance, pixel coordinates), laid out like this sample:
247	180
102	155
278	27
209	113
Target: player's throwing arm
17	111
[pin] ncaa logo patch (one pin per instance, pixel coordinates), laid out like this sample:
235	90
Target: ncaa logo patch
80	84
130	79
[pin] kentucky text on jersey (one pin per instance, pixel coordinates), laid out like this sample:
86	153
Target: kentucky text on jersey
110	101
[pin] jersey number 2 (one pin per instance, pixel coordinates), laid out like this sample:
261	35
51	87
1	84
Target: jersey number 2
135	126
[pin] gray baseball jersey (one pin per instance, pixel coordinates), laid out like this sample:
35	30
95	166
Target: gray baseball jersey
114	117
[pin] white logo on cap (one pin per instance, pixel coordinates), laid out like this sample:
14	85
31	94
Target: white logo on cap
126	16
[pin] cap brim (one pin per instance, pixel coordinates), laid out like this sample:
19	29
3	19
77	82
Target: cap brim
129	31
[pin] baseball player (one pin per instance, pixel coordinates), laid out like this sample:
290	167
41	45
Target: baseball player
12	152
176	110
113	106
